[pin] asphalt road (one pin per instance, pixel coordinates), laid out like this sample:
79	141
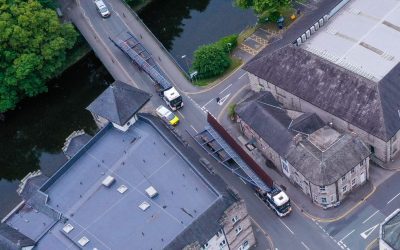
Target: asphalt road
292	232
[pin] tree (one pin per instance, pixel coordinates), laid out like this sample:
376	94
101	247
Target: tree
272	8
33	46
210	60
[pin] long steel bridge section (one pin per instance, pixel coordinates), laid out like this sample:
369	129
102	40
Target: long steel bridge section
131	46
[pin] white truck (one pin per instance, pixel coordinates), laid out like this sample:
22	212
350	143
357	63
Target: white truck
277	200
133	48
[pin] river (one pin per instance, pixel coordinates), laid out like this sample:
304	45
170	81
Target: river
184	25
33	134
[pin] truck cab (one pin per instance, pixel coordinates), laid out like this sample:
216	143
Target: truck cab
277	200
173	98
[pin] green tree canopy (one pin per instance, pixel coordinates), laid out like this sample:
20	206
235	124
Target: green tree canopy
33	46
271	7
210	60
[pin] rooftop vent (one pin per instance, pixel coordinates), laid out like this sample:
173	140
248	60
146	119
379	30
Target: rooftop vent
108	181
68	228
122	189
151	192
144	206
83	241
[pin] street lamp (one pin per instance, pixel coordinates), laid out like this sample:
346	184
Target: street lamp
187	64
229	47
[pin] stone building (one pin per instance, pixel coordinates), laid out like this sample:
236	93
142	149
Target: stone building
348	74
325	163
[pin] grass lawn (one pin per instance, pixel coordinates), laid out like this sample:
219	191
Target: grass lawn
235	63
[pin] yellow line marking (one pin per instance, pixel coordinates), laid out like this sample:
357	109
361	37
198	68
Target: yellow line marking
229	102
271	243
368	247
340	216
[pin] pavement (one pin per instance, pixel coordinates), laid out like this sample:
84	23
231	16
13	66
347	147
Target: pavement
297	231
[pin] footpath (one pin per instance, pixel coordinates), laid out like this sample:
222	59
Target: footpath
300	200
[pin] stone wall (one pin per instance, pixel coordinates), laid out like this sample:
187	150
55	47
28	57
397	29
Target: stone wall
237	227
382	149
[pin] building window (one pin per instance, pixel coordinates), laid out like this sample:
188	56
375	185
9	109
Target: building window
284	165
343	178
362	163
219	233
344	189
332	198
222	244
353	170
323	200
322	188
238	230
235	219
244	246
205	246
353	182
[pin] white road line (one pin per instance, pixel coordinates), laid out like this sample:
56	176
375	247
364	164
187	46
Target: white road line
305	246
208	102
193	128
393	198
226	88
242	75
370	217
242	180
286	226
181	114
346	236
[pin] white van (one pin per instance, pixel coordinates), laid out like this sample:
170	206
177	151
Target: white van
102	8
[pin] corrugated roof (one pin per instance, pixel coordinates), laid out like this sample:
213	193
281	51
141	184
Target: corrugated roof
373	107
119	102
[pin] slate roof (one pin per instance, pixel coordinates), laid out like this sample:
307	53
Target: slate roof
391	231
32	185
119	102
268	119
326	167
373	107
12	239
307	123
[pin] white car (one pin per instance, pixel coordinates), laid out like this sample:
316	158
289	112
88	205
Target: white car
167	115
102	8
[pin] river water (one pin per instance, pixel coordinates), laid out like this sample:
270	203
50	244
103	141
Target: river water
32	135
183	25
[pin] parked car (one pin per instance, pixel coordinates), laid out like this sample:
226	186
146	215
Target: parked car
102	8
167	115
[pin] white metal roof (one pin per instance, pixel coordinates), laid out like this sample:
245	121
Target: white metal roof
363	37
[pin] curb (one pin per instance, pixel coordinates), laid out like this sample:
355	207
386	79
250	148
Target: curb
267	236
334	219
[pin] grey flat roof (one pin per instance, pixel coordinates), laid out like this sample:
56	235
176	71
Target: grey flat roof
363	37
138	158
391	231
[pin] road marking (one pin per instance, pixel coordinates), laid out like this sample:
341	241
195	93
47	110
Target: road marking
286	226
305	246
367	232
393	198
242	180
370	217
223	99
347	236
181	114
242	75
208	102
194	129
226	88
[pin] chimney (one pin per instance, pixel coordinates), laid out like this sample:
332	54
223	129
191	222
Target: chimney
297	138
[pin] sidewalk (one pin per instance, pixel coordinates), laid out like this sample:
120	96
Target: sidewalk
300	200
